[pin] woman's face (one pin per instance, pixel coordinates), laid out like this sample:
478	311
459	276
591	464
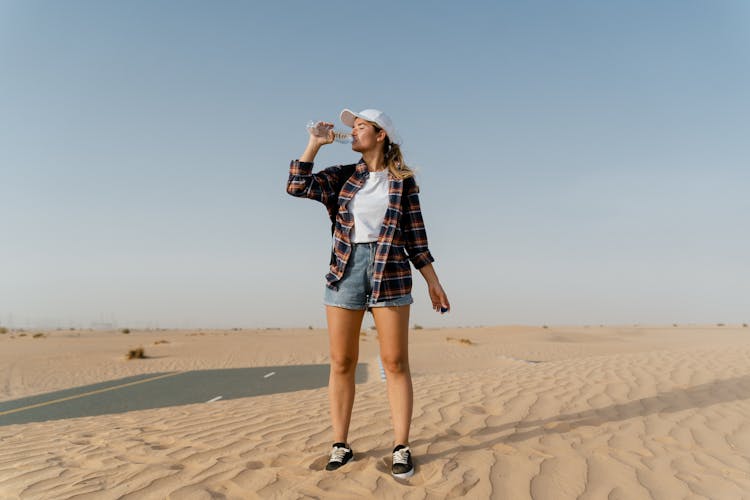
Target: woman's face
365	137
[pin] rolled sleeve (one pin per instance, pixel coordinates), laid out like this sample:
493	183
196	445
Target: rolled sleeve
300	182
415	234
321	186
421	259
300	167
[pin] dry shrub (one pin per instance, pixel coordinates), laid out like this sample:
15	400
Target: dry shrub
125	330
3	330
136	353
39	335
21	334
460	341
161	342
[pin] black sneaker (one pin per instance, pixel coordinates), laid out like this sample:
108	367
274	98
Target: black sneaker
402	465
340	455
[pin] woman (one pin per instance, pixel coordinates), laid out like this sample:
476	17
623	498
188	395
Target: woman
377	229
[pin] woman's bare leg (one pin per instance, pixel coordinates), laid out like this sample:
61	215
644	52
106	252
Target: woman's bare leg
393	334
343	337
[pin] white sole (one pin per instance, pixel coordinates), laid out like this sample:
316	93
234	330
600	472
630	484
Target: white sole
340	466
404	475
350	461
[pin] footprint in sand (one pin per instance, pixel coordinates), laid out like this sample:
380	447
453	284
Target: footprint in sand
319	463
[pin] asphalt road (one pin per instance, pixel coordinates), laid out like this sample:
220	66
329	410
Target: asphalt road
158	390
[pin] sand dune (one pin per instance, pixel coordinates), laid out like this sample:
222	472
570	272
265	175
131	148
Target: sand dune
556	413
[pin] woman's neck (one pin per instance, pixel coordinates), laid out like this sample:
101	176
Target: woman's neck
375	160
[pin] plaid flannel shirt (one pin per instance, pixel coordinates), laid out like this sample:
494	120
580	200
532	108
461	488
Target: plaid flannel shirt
402	236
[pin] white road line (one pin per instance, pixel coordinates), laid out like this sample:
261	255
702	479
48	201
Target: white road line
214	399
382	370
269	374
97	391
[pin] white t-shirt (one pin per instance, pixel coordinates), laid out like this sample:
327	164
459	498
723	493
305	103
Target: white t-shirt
368	208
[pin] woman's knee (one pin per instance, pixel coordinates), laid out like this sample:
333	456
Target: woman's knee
395	364
343	364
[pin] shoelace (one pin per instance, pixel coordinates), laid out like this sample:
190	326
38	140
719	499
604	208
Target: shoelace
401	456
338	454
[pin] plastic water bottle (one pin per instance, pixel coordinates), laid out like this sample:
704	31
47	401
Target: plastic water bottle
320	129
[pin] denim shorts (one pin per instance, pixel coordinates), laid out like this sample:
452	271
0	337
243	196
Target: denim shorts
355	287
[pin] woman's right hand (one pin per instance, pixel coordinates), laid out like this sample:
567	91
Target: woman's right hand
319	141
316	142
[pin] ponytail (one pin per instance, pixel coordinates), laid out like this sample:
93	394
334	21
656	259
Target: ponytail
394	160
393	157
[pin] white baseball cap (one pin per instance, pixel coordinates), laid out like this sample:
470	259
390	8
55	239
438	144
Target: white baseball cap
375	116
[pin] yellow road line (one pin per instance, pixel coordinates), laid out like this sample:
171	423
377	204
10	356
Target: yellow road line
16	410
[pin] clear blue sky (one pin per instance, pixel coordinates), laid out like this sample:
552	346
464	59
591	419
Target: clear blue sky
581	162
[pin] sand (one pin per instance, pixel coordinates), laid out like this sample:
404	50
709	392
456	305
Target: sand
622	412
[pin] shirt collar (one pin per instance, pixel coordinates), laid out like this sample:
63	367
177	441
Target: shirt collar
362	168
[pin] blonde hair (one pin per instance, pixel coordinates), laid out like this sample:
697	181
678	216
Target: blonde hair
394	158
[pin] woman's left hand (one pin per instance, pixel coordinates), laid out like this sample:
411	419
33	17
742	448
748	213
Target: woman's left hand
439	298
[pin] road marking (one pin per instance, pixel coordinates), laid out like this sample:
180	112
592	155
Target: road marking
269	374
214	399
47	403
382	370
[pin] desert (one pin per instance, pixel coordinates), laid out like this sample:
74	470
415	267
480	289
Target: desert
522	412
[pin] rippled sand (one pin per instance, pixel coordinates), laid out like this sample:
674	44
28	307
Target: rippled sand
506	412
